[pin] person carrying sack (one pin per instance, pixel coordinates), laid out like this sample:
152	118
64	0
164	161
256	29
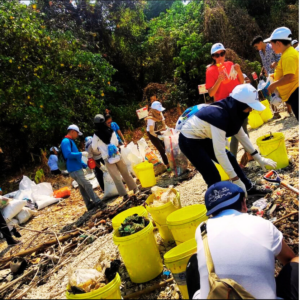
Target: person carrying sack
236	252
105	141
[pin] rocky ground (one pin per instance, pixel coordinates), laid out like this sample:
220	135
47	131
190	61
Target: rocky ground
56	217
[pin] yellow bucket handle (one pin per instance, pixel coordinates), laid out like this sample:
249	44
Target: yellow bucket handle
275	149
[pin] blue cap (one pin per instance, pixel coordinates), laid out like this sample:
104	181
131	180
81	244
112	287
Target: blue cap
220	195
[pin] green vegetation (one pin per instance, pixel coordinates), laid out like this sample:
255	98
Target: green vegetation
62	64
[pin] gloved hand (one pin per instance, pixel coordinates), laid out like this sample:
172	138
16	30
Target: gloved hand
161	137
240	183
263	162
85	153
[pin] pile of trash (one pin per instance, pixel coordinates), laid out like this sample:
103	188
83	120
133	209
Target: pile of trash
133	224
88	280
163	196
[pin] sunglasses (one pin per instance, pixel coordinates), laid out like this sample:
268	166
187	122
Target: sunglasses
219	54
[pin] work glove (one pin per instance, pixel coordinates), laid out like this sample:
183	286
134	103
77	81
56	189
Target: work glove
263	162
240	183
85	153
161	137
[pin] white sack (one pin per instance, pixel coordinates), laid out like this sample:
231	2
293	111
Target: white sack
11	195
26	184
43	201
25	214
142	147
42	189
12	209
23	194
110	189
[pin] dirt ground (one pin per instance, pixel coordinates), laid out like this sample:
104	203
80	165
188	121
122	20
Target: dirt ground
55	217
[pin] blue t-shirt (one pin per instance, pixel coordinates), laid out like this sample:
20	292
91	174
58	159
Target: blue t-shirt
52	162
115	127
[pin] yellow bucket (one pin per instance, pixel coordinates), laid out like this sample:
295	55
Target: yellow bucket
146	174
254	119
266	114
160	214
183	222
110	291
177	259
222	173
118	219
140	254
274	149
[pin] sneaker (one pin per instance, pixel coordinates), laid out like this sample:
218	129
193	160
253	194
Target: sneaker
258	191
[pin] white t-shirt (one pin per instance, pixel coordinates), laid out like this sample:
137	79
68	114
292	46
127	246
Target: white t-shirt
243	248
52	162
195	128
150	122
99	146
95	154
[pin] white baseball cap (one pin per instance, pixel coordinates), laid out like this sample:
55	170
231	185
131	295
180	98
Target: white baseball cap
294	42
53	148
74	127
157	106
281	33
247	94
217	47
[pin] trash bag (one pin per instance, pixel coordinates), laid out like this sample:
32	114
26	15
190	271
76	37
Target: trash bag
43	201
177	160
152	158
26	184
25	214
62	193
12	209
110	189
42	189
143	146
12	224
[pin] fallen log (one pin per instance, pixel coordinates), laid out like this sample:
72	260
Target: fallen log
149	289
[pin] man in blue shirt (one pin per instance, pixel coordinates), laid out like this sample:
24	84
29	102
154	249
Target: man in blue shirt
75	167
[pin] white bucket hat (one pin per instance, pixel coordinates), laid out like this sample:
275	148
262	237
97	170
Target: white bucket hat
53	148
247	94
157	106
281	33
217	47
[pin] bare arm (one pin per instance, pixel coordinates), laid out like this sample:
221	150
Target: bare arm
286	79
212	91
151	130
240	75
286	255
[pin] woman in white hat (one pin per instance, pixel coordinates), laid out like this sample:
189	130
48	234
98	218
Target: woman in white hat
155	115
219	85
52	161
286	76
203	138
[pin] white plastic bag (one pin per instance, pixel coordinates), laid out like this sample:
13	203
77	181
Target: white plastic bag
11	224
177	160
142	147
23	194
11	195
26	184
83	275
124	154
43	201
12	209
25	214
276	99
110	189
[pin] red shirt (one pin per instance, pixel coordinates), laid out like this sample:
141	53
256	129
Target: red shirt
224	90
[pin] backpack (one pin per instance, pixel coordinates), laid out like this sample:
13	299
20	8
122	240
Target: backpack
220	288
189	112
62	162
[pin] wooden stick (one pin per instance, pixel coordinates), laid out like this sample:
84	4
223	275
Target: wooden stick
16	280
286	216
149	289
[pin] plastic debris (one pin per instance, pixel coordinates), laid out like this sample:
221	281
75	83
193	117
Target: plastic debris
132	225
163	196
